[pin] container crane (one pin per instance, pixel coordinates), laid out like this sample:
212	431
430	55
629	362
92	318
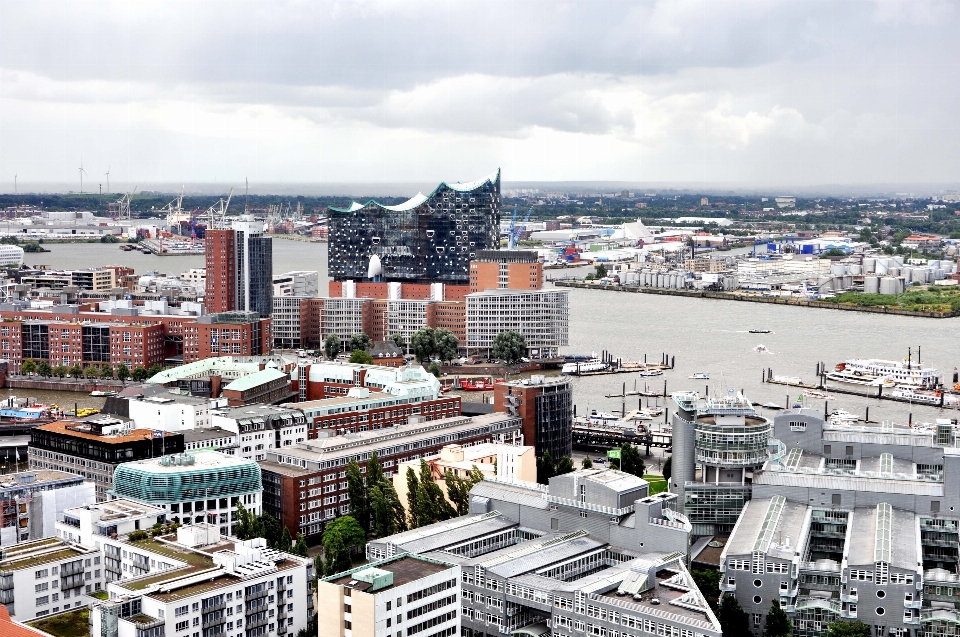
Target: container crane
514	236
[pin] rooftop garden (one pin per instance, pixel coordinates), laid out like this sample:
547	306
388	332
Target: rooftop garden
933	298
75	623
29	562
196	562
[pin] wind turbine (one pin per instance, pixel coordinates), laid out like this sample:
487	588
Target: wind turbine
81	175
108	179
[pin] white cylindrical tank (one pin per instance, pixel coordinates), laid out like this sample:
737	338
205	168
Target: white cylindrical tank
888	285
898	261
659	282
918	275
882	267
838	269
893	271
869	265
856	269
871	284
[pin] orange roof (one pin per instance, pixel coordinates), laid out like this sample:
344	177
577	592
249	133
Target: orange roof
60	426
8	628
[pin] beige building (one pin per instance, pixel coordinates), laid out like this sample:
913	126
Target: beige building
507	463
401	595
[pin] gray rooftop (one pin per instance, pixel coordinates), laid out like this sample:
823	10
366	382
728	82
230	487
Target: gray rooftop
201	434
863	539
442	535
787	524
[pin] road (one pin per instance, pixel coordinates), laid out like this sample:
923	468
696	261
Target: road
654	461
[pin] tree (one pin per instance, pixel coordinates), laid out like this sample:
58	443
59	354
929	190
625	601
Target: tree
433	496
91	372
44	369
383	522
109	238
374	470
848	629
300	548
76	371
630	460
446	345
399	341
707	581
357	492
341	535
361	356
393	499
244	524
422	343
59	371
435	369
668	468
587	463
458	488
360	341
28	367
777	623
510	346
154	370
733	619
545	468
413	498
286	541
601	270
564	466
123	372
332	346
106	371
139	373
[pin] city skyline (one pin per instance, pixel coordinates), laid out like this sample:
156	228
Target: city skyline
766	95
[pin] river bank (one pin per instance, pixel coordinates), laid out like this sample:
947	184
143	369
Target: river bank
750	298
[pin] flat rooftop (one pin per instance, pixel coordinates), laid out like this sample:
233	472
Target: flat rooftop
441	535
201	434
202	460
120	509
40	476
85	431
405	569
253	411
37	553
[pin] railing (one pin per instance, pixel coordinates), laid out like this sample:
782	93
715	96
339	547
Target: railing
598	508
217	618
820	566
852	473
250	624
815	602
933	576
683	526
213	606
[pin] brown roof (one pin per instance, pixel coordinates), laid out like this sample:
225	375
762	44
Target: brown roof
60	427
405	570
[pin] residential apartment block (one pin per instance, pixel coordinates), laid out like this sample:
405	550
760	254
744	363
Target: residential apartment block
545	405
541	316
30	502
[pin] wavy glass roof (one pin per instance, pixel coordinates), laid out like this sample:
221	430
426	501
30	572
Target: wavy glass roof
419	198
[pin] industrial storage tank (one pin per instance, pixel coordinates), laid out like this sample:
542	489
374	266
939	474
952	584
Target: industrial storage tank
869	265
659	282
918	275
838	269
882	267
856	270
871	284
894	270
888	285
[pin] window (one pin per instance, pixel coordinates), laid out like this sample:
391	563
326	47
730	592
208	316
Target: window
797	425
826	450
835	499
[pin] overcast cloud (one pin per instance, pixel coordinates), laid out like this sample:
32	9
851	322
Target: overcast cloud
760	93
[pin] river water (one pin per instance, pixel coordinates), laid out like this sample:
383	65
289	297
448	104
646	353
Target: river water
704	335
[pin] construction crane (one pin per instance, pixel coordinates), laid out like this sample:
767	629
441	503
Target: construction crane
120	209
174	211
216	215
514	237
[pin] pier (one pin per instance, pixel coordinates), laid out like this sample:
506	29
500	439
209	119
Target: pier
620	366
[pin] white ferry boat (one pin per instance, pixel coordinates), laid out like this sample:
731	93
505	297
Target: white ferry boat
874	371
922	396
580	367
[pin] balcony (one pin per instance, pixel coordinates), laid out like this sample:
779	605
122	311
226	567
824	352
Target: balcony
258	621
213	619
213	606
822	566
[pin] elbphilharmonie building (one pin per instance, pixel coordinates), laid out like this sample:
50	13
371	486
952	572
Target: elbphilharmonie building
429	238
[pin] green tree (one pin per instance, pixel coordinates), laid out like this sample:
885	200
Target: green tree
435	369
393	500
399	341
413	498
564	466
848	629
432	498
374	470
359	341
286	541
446	345
361	356
300	548
587	463
422	343
123	372
341	535
270	529
777	623
707	581
383	521
545	468
28	367
510	346
154	370
91	372
733	619
76	371
106	371
244	524
332	346
630	460
44	369
59	371
139	373
357	491
668	468
458	488
601	270
109	238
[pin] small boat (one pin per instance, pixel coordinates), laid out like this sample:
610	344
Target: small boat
700	376
771	406
476	385
98	394
843	417
760	331
651	372
814	393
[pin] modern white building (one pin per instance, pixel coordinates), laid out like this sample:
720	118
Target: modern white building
31	501
205	486
261	428
401	595
11	255
541	316
166	411
296	283
195	581
48	576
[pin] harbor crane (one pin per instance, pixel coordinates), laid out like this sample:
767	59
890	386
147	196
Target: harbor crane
174	210
216	215
120	209
514	235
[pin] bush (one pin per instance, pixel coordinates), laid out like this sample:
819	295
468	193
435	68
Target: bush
136	536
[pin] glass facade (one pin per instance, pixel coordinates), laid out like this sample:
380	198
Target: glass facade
428	238
36	341
190	482
259	251
96	343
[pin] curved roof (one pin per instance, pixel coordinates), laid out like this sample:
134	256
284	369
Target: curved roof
419	198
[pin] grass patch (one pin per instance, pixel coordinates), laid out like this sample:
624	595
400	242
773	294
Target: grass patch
73	624
657	483
919	298
101	595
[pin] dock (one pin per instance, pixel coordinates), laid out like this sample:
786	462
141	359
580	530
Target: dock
620	366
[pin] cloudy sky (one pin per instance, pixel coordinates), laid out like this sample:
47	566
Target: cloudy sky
753	93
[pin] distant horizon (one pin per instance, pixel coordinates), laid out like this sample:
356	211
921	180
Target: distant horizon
409	189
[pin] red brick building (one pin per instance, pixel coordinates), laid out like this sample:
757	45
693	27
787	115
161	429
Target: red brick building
221	258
